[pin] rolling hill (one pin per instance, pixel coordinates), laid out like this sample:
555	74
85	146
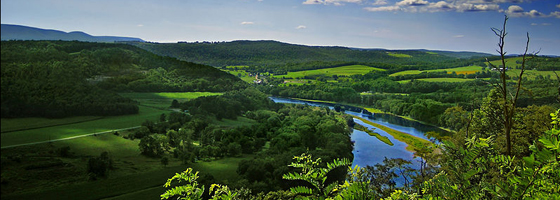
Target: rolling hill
270	53
18	32
71	78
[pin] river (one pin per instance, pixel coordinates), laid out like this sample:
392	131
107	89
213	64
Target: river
368	150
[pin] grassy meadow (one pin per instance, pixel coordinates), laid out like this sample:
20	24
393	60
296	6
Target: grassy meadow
399	55
240	73
152	105
451	80
74	129
459	70
163	100
339	71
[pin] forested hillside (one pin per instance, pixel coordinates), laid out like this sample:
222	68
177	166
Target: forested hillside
271	53
58	78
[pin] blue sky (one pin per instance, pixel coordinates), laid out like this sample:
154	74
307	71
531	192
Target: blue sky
459	25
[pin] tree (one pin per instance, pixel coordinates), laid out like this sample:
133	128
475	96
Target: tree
508	99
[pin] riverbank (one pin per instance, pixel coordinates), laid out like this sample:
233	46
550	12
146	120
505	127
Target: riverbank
381	138
414	143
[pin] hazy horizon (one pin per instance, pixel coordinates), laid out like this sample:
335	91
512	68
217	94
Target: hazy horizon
460	25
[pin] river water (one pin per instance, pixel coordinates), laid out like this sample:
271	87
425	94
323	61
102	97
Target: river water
368	150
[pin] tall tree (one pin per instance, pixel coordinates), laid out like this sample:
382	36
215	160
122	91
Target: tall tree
509	99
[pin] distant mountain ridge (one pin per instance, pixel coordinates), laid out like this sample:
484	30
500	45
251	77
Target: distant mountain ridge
19	32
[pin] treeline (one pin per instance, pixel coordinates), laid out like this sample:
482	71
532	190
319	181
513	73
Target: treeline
63	78
543	63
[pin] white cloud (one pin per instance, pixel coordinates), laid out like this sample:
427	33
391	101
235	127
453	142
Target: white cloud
309	2
383	8
546	24
247	23
558	6
555	14
412	3
517	11
440	6
379	2
333	2
140	25
301	27
458	36
534	24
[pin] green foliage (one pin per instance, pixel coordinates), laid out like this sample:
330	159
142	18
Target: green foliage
192	190
479	171
316	176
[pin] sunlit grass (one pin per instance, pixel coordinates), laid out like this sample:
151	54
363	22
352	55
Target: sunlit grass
69	130
459	70
399	55
451	80
339	71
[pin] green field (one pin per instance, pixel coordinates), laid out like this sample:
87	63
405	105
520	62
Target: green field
152	105
530	74
451	80
339	71
16	124
241	73
69	130
510	62
399	55
163	100
459	70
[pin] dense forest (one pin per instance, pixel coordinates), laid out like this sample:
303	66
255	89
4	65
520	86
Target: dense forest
273	53
59	79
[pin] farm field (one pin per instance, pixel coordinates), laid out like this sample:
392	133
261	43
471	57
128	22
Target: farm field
531	74
163	100
17	124
152	105
74	129
399	55
339	71
510	62
241	73
455	80
459	70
